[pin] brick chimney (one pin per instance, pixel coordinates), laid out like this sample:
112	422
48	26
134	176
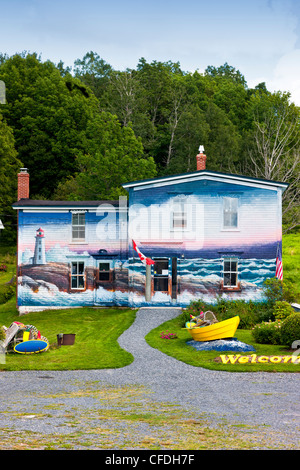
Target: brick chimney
23	184
201	159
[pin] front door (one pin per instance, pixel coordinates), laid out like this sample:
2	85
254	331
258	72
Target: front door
165	278
161	276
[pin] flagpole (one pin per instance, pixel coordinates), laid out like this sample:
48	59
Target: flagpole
148	283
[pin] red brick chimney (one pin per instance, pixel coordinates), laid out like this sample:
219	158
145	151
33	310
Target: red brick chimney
23	184
201	159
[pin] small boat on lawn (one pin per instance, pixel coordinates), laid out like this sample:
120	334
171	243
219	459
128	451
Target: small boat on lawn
218	330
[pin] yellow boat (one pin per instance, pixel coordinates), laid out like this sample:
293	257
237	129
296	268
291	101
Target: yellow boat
219	330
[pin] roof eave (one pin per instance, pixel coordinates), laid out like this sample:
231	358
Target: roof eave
233	177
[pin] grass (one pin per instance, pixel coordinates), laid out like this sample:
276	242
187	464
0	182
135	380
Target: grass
291	260
96	346
179	349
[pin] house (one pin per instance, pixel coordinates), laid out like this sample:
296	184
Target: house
205	234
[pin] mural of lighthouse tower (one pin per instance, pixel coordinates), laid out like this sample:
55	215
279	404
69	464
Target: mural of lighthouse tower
39	250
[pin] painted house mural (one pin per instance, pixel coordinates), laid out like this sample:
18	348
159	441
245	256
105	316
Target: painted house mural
208	234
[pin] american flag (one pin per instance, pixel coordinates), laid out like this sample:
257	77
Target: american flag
279	270
143	258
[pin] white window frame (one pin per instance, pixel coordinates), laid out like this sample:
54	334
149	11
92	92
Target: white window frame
232	211
77	275
179	216
231	259
78	226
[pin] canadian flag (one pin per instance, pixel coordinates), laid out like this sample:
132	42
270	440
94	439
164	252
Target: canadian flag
143	258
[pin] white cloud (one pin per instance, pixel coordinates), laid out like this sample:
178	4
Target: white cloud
286	76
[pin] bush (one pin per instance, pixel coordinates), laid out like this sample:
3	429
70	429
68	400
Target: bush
7	291
282	310
277	290
267	332
195	308
250	313
290	329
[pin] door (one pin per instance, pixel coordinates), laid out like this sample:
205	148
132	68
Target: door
161	275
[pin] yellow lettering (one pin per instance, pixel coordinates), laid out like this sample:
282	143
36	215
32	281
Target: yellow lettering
253	360
275	359
229	359
243	359
263	359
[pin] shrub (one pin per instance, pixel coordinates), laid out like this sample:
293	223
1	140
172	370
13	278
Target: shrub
282	310
195	308
290	330
250	312
277	290
3	267
267	332
7	291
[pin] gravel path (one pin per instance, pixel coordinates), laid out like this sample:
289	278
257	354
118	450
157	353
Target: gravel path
251	399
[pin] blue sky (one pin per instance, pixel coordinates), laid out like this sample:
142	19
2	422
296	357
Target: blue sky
261	38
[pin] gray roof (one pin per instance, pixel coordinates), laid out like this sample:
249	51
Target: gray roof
169	179
28	203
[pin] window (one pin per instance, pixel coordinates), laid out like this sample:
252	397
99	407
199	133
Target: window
78	226
77	275
230	212
179	220
230	273
104	271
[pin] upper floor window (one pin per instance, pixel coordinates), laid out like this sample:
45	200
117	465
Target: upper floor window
78	226
179	216
179	220
230	212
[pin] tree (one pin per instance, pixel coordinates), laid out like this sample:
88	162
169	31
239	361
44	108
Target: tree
93	71
48	114
113	156
228	72
223	140
275	154
9	168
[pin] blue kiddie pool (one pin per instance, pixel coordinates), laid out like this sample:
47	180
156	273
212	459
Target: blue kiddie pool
31	346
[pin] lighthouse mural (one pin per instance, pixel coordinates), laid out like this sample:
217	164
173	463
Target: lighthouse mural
39	250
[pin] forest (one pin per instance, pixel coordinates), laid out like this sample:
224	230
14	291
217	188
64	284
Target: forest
84	130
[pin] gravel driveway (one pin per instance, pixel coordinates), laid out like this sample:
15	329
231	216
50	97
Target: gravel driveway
269	401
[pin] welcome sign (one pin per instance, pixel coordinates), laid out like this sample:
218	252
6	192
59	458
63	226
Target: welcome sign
254	359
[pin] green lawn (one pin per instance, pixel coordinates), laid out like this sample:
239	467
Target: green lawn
179	349
291	260
96	346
